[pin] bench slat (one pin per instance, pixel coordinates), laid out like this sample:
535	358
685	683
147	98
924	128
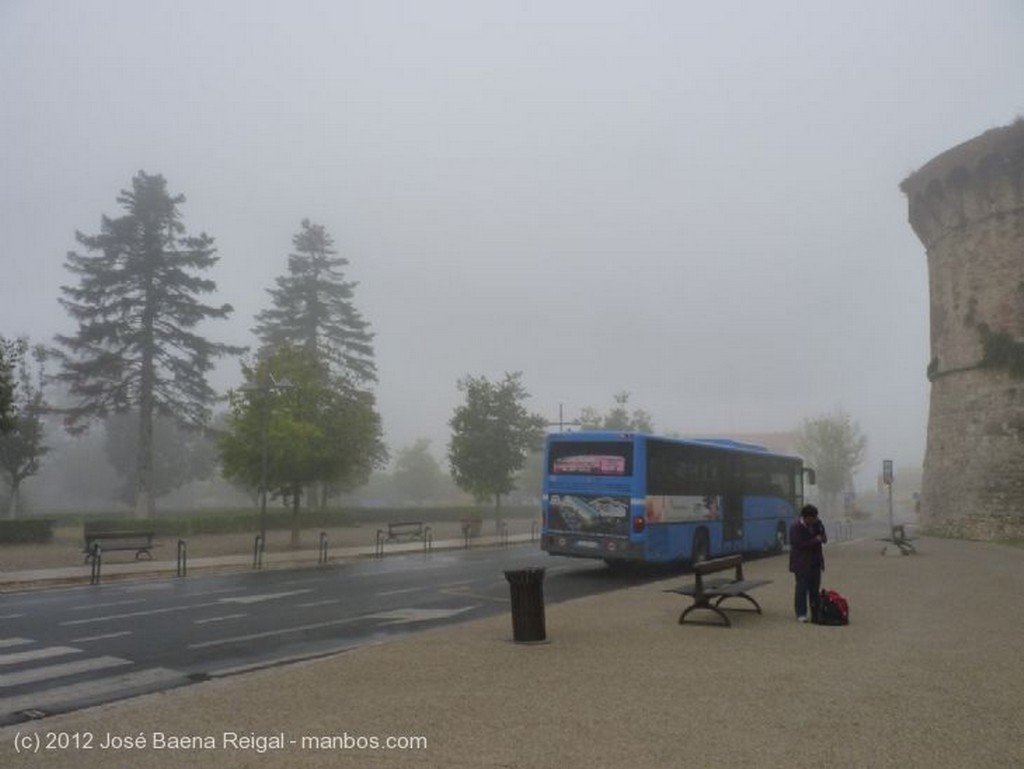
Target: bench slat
703	591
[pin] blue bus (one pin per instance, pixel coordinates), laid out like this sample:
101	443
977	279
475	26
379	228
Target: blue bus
633	497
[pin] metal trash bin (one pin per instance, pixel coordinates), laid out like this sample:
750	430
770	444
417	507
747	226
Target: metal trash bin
527	588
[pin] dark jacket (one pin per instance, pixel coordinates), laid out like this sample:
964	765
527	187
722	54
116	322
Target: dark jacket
804	550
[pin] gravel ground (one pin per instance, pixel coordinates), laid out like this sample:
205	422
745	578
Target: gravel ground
929	674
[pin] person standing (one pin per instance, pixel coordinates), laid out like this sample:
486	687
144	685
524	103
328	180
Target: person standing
807	561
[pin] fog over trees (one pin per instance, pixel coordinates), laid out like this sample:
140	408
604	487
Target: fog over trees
693	205
137	308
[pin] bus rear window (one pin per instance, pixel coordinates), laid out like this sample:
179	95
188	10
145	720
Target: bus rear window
586	458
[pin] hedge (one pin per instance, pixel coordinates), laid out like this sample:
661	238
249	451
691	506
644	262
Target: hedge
26	531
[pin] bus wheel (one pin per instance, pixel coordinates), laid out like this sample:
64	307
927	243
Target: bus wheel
780	537
700	546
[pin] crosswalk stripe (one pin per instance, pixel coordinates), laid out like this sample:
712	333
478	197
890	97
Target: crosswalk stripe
128	683
8	642
59	671
48	651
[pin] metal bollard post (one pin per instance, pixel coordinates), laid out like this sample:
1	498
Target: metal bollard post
97	559
182	558
257	553
323	548
466	528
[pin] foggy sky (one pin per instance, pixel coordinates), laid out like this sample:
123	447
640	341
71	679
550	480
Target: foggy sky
693	202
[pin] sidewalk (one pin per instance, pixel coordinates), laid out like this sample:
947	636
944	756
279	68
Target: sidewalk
111	569
929	674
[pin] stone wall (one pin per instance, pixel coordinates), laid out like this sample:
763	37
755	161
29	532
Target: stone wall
967	207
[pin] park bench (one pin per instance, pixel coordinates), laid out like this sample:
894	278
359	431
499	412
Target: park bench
139	541
404	531
717	589
900	539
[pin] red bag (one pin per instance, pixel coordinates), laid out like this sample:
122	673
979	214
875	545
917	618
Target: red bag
833	609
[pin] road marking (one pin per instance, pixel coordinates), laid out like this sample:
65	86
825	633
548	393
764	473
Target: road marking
403	590
460	583
59	671
270	633
263	597
11	616
91	606
103	637
5	642
221	618
37	654
310	604
61	695
217	591
128	615
405	616
465	592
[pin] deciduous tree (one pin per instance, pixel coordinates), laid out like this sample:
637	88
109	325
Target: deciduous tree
21	446
417	475
181	453
7	365
491	435
618	418
317	430
834	446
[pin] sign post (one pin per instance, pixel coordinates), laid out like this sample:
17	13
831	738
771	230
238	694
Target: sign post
887	480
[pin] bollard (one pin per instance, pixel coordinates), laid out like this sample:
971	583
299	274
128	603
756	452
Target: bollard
527	589
182	558
323	548
257	553
466	529
97	559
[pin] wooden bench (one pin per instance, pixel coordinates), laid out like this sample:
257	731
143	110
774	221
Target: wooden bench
139	541
703	591
404	531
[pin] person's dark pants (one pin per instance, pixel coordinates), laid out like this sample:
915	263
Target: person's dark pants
808	591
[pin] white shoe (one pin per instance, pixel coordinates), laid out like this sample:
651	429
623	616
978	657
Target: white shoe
801	618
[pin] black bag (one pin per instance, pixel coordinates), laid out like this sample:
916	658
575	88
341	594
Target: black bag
833	609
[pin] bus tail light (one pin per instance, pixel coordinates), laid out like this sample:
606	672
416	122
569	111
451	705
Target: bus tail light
639	524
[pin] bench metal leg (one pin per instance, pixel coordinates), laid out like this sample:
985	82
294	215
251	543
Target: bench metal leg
705	605
757	606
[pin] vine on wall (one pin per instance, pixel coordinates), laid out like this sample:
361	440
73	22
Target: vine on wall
1001	351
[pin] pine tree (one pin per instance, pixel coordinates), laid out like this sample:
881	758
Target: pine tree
136	307
312	308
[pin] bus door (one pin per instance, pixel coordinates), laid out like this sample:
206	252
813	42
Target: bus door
732	519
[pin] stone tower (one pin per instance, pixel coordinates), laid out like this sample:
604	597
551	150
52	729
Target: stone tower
967	207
